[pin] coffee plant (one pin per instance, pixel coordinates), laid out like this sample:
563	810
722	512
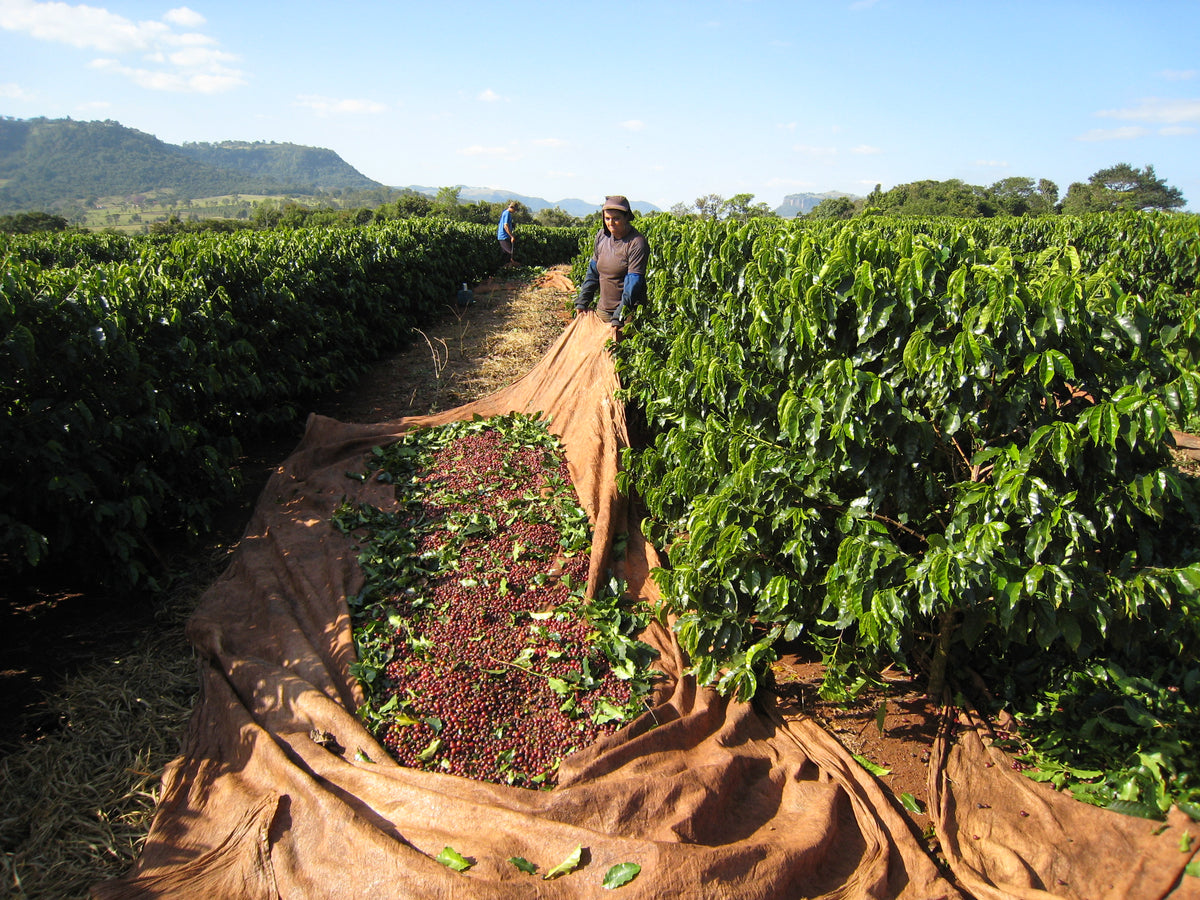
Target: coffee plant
132	369
932	444
1122	738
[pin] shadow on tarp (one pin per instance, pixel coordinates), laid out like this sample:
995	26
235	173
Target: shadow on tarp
712	798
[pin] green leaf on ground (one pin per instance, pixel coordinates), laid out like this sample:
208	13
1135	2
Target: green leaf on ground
878	771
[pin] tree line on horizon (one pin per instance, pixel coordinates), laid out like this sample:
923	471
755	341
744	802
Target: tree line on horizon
1120	187
1117	188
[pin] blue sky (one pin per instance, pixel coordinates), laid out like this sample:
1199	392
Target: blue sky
662	100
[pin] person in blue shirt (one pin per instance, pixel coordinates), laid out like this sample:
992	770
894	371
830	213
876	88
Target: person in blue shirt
617	270
505	232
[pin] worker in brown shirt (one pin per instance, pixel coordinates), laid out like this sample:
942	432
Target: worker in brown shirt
618	266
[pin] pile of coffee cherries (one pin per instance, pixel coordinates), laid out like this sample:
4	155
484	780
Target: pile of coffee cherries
488	666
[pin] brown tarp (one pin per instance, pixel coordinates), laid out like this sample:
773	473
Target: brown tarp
1007	836
281	792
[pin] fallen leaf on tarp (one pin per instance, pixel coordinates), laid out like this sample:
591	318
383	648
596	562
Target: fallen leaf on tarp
620	875
452	859
523	864
570	864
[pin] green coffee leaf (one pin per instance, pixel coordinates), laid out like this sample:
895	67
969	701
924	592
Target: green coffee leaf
607	711
525	658
1134	808
911	803
428	753
452	859
523	864
878	771
570	864
620	875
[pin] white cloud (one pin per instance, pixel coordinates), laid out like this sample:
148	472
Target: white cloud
865	150
633	124
991	163
201	59
86	27
187	18
553	143
330	106
1173	130
190	39
1178	74
10	90
1154	109
1113	134
183	82
810	150
489	96
166	60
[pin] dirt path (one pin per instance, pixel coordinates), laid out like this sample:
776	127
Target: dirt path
472	352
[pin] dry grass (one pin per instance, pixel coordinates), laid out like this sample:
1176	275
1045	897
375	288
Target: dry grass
470	353
78	797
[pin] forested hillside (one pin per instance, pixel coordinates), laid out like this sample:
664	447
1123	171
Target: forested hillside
54	164
294	164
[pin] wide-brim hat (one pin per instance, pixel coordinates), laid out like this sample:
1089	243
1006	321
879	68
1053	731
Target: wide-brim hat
619	203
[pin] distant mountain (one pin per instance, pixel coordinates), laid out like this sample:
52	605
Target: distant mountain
571	206
59	165
313	167
50	164
803	204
